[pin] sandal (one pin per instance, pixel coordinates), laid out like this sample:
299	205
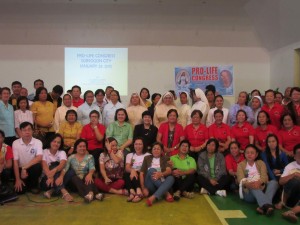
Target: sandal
48	194
137	198
130	197
291	216
67	197
125	192
169	198
260	210
189	195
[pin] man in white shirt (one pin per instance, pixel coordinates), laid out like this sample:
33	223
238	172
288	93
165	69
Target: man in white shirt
28	153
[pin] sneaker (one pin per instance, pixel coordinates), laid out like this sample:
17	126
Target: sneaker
221	193
89	197
99	196
176	196
189	195
203	191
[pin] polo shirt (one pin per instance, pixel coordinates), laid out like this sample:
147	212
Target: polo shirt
25	153
88	133
289	139
261	135
164	130
183	164
241	134
49	158
275	113
7	119
196	136
219	132
231	163
120	133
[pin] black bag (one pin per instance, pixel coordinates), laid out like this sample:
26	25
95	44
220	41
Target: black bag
7	194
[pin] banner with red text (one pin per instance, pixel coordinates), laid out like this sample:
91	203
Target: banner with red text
190	78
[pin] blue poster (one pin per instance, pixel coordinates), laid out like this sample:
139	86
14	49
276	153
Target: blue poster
190	78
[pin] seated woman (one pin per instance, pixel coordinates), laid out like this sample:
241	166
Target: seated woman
60	113
220	131
135	109
121	130
112	169
54	161
22	114
70	131
155	176
196	133
253	179
232	160
6	159
274	159
80	168
134	163
184	168
242	131
263	129
170	133
146	130
212	175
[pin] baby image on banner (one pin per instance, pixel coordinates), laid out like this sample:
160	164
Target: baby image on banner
190	78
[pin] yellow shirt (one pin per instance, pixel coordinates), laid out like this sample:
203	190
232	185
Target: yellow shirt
70	132
43	114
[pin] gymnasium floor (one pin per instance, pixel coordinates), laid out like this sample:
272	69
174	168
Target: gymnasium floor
34	209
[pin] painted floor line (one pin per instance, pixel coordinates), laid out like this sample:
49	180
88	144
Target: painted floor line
223	214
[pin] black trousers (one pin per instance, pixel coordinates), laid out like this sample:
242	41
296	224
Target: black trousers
32	181
82	188
96	154
204	182
131	184
184	183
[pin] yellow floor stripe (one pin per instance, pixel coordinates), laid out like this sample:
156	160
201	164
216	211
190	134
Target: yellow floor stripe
222	214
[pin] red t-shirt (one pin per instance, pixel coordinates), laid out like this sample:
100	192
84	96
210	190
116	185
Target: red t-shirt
289	139
275	113
9	152
78	103
196	136
88	134
219	132
241	134
164	131
231	164
261	135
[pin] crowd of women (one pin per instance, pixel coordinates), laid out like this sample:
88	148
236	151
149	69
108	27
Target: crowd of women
166	148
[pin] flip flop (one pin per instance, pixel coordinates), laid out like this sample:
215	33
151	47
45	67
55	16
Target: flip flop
137	198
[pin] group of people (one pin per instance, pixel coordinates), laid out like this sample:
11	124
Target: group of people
160	149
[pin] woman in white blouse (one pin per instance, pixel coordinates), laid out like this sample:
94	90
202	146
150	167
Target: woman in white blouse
23	114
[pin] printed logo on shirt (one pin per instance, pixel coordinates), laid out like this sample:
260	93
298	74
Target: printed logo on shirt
33	151
245	130
296	133
276	113
224	132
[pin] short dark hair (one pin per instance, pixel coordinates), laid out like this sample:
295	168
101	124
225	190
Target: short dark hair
21	98
234	143
159	144
78	142
146	113
71	111
109	139
253	146
99	91
296	147
94	112
210	87
76	86
5	89
126	115
38	80
172	110
146	89
86	93
218	96
153	96
254	91
16	83
118	94
212	140
185	142
197	111
295	89
109	87
218	111
26	124
51	138
58	89
270	91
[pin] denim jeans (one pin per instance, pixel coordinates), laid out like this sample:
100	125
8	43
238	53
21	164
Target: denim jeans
262	197
157	187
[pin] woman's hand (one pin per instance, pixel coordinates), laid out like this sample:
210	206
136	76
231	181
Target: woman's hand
213	182
107	180
59	181
145	192
157	175
51	173
89	179
133	174
50	182
177	173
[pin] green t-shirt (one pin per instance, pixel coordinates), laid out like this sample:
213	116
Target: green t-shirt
212	166
183	164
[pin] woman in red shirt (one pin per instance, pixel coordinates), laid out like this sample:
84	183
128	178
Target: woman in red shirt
242	131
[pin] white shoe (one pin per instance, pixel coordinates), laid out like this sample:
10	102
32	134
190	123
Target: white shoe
203	191
99	196
221	193
89	197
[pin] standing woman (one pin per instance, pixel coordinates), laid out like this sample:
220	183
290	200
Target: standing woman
294	105
170	133
254	184
288	135
145	94
121	130
70	131
100	102
80	168
84	110
154	98
112	169
155	176
134	163
53	162
242	131
43	113
196	133
263	129
212	175
135	109
110	108
210	95
60	113
219	101
184	109
220	131
241	104
201	103
274	109
22	114
7	117
256	104
165	103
